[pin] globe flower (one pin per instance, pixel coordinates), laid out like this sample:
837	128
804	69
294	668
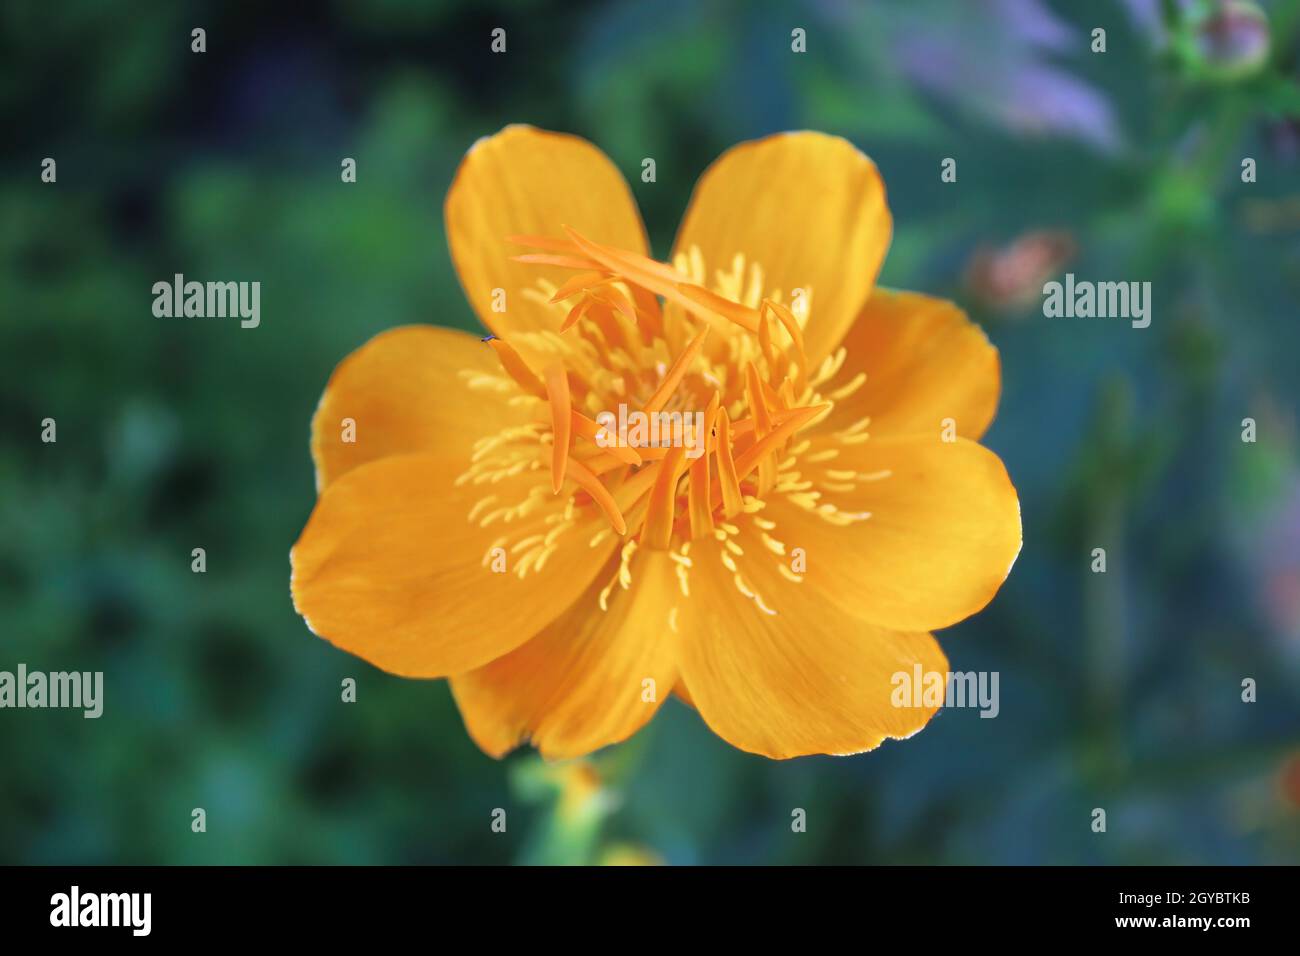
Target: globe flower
483	516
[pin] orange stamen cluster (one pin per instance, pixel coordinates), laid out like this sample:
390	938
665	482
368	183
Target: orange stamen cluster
632	309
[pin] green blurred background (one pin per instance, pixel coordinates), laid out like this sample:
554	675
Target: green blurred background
1120	691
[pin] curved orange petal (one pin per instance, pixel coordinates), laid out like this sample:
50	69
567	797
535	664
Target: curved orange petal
391	568
942	533
527	181
807	679
406	391
918	360
580	684
810	210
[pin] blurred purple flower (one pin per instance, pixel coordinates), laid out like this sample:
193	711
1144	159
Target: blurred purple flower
1145	14
994	60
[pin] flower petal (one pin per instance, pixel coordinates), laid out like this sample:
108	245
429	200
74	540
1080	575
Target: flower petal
403	393
923	361
809	679
579	685
810	210
943	532
527	181
390	568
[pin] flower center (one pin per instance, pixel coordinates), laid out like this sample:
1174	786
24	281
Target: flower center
720	367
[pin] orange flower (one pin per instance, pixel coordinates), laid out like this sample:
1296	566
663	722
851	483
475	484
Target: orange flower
779	579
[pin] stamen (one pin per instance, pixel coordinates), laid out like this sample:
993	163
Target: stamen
657	531
557	391
786	394
548	243
602	314
750	457
761	390
710	421
622	261
749	460
575	314
516	368
743	316
599	494
563	262
649	317
623	576
765	339
584	427
582	282
658	278
754	393
699	502
699	505
787	319
848	388
619	302
757	404
728	484
674	376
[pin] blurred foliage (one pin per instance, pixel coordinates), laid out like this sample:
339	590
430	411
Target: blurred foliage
1120	691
